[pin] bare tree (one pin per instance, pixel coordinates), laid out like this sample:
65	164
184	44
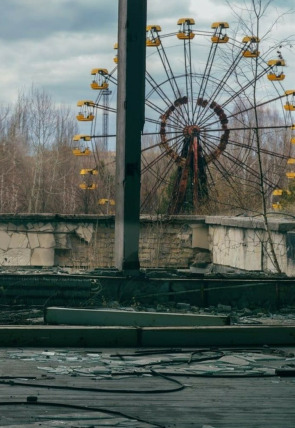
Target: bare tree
250	16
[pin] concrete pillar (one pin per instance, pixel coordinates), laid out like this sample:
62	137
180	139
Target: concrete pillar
130	121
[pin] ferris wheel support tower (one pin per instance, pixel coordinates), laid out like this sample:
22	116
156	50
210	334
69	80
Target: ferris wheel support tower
105	118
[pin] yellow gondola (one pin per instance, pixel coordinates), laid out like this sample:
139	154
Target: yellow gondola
277	192
83	118
152	38
90	171
290	105
276	72
99	82
293	140
219	36
290	174
116	57
78	152
277	206
105	201
81	137
185	28
85	114
85	186
276	76
276	198
291	161
252	48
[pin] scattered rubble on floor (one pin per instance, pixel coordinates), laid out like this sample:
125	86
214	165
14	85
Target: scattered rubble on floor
256	362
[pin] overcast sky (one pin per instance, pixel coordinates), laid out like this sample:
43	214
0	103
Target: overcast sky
53	44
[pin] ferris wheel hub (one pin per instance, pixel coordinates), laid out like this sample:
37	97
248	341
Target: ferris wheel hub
191	130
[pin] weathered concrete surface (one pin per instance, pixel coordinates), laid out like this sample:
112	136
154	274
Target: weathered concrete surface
42	257
16	256
179	242
218	336
109	317
88	240
4	240
53	336
18	240
98	290
243	243
67	336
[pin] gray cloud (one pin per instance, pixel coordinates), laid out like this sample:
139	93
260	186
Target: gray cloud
35	19
55	43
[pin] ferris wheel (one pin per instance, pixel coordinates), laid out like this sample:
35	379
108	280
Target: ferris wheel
209	97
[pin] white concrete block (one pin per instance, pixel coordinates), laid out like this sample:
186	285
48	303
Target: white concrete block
42	257
46	240
16	257
4	240
125	318
46	227
62	228
200	238
18	240
85	233
33	240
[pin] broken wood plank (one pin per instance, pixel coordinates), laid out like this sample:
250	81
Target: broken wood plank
103	317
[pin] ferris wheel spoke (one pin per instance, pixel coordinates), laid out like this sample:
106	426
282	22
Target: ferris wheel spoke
254	175
171	78
262	150
161	179
239	92
157	145
158	90
213	145
248	151
170	149
188	77
205	79
176	119
229	180
149	169
248	109
235	161
176	128
221	86
168	70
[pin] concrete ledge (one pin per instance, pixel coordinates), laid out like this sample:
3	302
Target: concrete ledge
124	318
53	336
218	336
67	336
277	225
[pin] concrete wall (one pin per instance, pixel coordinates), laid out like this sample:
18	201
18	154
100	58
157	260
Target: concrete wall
175	242
243	243
88	241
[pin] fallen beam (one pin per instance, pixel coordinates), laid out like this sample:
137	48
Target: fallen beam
98	337
100	317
